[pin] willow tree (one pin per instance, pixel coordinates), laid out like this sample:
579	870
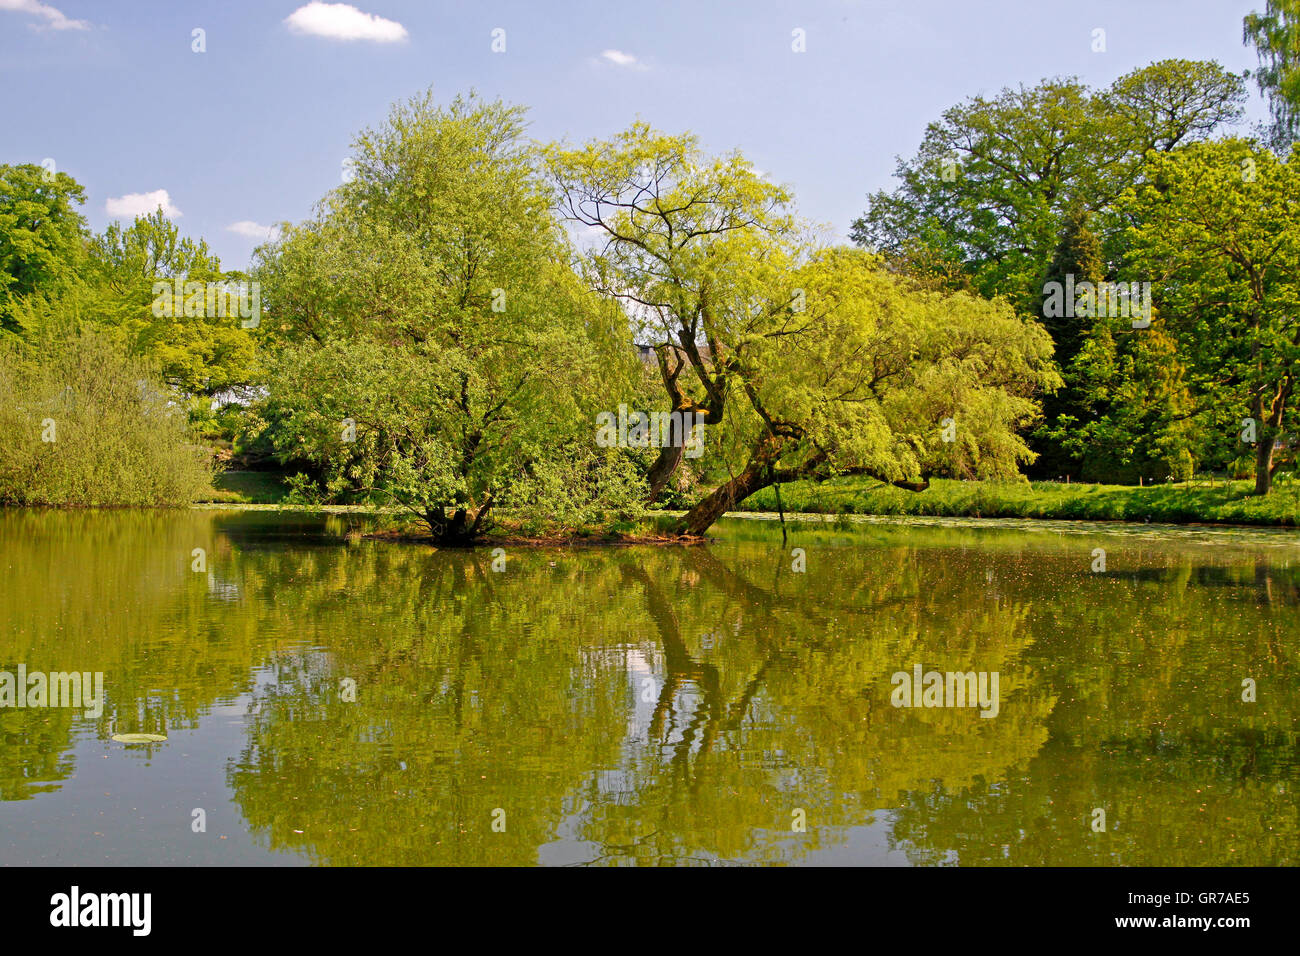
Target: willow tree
431	345
1275	34
813	362
685	242
874	377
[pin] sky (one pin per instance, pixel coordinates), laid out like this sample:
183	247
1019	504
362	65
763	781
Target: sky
254	128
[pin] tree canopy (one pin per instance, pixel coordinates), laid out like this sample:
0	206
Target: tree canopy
431	346
1219	231
42	236
813	360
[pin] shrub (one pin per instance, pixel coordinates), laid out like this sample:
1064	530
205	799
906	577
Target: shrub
82	423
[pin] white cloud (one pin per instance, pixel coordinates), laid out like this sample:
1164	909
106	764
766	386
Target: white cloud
141	204
253	230
619	58
342	21
56	19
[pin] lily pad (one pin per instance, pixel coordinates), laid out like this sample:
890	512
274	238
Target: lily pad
139	738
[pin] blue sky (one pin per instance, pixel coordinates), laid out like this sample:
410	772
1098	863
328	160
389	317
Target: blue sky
256	128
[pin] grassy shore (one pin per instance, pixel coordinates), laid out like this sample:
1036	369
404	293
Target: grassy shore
1174	502
248	488
1179	503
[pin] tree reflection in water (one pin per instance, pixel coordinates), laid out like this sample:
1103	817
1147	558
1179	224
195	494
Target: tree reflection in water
522	691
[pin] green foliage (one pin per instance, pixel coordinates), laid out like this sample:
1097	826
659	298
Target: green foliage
42	236
1077	259
1023	189
69	301
582	491
200	354
995	180
869	372
1275	34
430	307
56	279
1218	228
1161	500
81	423
1124	409
1136	411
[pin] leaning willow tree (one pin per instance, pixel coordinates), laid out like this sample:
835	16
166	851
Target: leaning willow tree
430	345
809	361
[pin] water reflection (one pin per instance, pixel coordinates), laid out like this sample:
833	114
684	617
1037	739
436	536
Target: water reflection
400	705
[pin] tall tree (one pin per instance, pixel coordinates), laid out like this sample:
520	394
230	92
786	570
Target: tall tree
42	236
1219	234
995	179
198	351
430	345
811	362
686	243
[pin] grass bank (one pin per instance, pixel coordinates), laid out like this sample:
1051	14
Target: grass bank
247	487
1175	503
1197	501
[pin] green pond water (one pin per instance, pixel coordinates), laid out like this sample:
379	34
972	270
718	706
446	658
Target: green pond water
327	698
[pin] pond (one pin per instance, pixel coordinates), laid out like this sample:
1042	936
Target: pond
316	696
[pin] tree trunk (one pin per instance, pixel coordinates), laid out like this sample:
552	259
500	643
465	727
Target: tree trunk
663	469
456	531
699	519
757	476
1264	463
670	457
1263	446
